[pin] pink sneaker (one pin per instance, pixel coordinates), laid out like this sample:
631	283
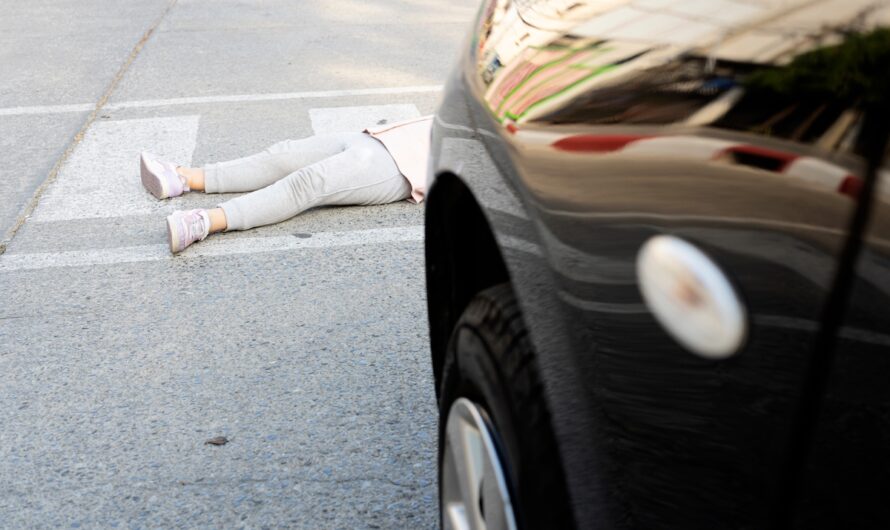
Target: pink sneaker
186	227
160	178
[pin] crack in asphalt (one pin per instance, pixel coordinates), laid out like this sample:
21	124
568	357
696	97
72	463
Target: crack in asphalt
54	172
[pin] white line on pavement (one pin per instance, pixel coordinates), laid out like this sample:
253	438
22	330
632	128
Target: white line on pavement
46	109
101	179
238	98
216	246
345	119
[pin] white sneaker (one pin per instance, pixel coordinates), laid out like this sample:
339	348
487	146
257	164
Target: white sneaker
160	178
186	227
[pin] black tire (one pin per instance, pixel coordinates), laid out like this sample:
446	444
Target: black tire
490	361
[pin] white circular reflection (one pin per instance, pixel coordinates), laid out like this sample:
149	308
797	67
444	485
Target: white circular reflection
691	297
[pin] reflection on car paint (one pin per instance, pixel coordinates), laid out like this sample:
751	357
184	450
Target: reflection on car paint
610	122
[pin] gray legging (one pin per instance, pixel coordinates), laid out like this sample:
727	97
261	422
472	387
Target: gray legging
294	175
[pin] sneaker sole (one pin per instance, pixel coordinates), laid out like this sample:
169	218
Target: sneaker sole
172	237
152	183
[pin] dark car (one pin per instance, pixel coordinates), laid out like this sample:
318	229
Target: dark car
658	266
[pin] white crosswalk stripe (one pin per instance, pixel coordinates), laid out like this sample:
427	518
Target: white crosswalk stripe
211	247
214	100
346	119
101	179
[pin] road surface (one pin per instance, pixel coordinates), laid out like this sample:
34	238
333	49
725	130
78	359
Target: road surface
304	343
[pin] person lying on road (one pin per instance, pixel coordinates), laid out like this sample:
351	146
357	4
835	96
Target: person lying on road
377	166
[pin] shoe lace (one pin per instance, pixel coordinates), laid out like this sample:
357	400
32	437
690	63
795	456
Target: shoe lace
183	180
195	225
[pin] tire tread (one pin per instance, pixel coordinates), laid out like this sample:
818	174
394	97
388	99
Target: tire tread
495	317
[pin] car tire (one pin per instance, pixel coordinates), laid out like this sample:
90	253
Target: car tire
490	374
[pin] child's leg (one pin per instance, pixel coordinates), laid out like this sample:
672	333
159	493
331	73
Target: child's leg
363	173
262	169
218	221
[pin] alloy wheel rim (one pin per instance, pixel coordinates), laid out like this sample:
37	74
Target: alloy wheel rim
474	494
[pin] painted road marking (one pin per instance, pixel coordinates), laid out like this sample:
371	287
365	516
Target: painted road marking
354	119
237	98
101	179
216	246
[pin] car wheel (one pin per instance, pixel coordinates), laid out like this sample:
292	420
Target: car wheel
498	464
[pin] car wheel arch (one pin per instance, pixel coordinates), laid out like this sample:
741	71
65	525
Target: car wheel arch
462	258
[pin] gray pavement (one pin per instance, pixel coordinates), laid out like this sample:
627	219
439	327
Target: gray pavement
304	343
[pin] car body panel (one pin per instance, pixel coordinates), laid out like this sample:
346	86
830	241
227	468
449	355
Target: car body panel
582	133
847	476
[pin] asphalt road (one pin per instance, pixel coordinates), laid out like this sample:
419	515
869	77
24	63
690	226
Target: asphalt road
304	343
